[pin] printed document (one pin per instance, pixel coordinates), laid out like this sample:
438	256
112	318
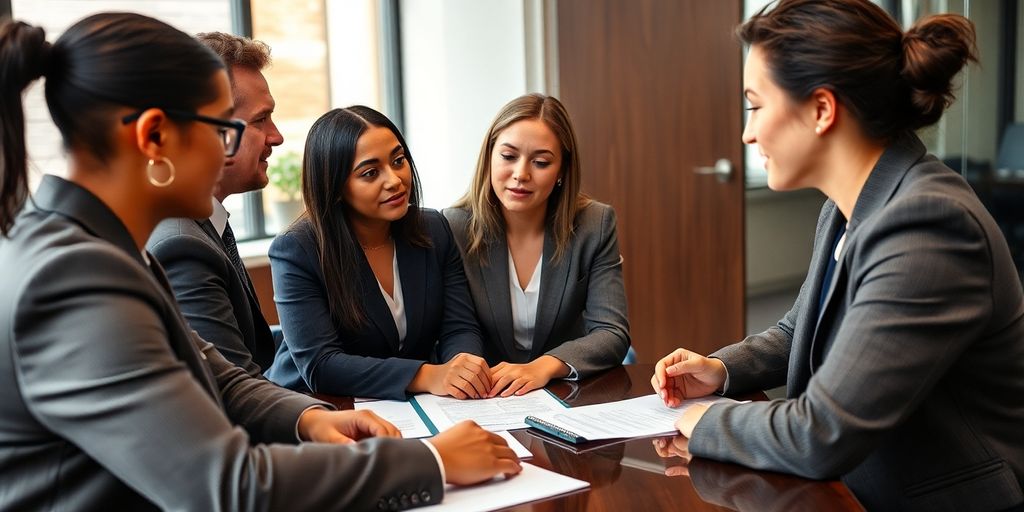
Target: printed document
401	414
494	414
404	416
637	417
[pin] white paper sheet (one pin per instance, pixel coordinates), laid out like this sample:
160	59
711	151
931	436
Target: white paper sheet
637	417
532	484
401	414
516	446
494	414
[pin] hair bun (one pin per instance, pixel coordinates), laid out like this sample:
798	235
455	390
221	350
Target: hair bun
935	49
24	53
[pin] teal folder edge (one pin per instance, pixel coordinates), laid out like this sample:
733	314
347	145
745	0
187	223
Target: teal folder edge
423	416
563	402
554	430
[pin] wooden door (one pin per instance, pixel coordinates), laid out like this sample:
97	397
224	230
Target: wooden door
654	89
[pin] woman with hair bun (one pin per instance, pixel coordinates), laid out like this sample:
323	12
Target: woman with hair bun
904	351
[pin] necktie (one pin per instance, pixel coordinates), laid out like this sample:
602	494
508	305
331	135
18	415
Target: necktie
231	247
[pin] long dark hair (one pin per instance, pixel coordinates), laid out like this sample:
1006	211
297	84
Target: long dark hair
891	82
102	63
326	166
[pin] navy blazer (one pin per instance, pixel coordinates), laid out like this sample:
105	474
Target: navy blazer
908	383
321	356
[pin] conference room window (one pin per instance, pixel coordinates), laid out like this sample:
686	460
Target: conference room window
46	154
325	55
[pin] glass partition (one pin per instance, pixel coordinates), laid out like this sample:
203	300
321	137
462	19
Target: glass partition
982	133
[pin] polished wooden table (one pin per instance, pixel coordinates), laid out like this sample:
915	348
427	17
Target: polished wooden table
632	475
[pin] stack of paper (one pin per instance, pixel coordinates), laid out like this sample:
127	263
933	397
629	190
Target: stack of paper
401	414
408	420
637	417
532	484
494	414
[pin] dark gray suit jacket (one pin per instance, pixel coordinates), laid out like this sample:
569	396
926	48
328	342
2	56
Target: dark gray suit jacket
217	303
108	401
321	355
581	312
909	385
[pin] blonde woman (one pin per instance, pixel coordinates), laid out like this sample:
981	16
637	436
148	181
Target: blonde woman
542	260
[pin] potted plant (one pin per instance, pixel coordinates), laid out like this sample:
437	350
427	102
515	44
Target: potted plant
285	174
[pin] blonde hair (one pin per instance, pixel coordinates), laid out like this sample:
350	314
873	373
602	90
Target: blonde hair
486	222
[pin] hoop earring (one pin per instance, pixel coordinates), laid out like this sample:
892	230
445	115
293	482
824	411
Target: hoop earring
153	163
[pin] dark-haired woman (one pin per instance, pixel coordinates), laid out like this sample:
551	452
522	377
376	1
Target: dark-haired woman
904	352
108	400
369	286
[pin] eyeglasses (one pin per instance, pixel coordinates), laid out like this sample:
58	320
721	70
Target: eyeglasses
230	130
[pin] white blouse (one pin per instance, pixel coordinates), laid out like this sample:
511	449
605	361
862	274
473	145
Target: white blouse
524	303
396	303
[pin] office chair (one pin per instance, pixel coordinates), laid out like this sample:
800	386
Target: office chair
1007	188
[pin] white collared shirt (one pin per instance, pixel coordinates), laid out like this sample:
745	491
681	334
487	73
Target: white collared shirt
219	219
524	303
396	303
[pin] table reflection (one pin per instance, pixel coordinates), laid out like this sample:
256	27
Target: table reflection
657	474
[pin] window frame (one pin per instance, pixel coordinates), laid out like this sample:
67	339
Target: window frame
392	97
252	202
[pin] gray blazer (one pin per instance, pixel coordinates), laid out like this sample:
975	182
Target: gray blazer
216	301
108	402
909	384
581	313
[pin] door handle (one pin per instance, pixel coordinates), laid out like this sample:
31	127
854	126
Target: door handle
721	170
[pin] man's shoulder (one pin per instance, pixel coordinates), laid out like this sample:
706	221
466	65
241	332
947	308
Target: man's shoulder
173	234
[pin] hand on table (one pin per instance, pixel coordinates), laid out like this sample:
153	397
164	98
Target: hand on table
689	419
463	376
518	379
683	374
342	427
471	454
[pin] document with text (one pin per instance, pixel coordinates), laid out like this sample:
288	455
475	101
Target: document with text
637	417
407	419
494	414
401	414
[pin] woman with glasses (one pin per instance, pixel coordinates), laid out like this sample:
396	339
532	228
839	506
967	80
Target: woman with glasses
108	400
369	285
229	130
542	259
904	351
